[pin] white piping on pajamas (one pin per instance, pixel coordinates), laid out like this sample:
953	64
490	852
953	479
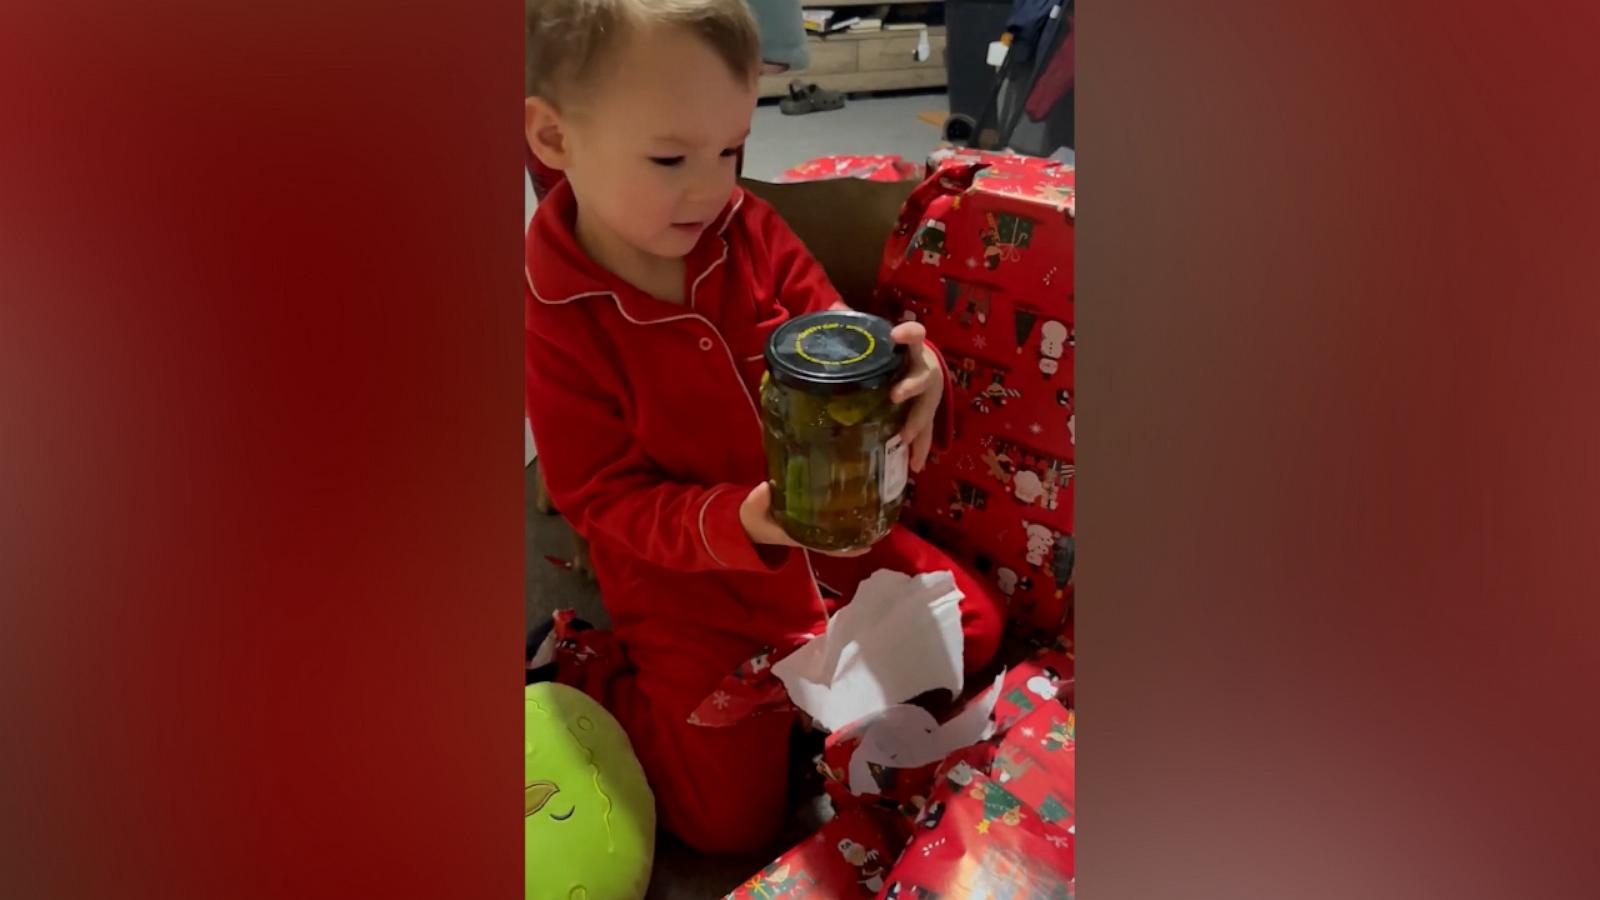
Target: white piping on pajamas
702	525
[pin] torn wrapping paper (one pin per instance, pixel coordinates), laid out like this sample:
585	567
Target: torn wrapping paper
749	690
908	737
991	820
902	789
848	857
898	638
866	168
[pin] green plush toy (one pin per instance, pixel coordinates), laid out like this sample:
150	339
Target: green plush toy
590	826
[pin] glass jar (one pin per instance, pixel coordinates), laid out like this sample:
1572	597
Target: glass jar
832	436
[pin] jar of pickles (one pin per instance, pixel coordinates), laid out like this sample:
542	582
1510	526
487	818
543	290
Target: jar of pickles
834	455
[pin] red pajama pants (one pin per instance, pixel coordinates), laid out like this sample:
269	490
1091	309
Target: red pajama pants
724	790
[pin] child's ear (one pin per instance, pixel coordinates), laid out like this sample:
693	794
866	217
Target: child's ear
546	137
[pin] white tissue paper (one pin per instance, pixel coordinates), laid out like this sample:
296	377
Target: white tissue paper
905	737
900	636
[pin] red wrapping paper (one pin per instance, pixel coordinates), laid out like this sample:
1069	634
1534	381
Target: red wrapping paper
997	816
850	856
1047	675
983	257
749	690
867	168
976	839
1035	763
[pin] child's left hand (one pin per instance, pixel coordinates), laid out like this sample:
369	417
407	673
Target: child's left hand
924	384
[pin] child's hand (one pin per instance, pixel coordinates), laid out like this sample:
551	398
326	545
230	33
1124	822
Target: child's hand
925	384
755	514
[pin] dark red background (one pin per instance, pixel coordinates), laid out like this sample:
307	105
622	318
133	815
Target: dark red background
260	394
260	361
1339	460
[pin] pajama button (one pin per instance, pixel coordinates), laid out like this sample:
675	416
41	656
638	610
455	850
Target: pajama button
705	343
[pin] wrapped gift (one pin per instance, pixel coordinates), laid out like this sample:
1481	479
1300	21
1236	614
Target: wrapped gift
903	790
850	856
1003	160
977	840
1035	763
982	255
994	819
1047	675
866	168
1045	678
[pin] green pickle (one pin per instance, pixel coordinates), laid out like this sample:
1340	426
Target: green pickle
830	430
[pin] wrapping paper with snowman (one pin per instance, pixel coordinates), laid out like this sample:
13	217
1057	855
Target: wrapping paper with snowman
983	256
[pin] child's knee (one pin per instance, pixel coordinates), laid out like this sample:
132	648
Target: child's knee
724	789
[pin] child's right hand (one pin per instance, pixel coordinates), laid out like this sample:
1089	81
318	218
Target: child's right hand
755	514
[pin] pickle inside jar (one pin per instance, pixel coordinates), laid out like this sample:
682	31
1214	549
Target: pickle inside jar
825	437
828	480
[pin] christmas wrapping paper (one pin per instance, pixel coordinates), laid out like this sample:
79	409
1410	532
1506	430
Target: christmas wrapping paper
977	840
868	168
998	820
574	647
849	856
583	655
1006	802
1048	674
900	789
749	690
983	256
1035	762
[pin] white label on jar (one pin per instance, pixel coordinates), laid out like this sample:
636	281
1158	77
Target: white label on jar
895	465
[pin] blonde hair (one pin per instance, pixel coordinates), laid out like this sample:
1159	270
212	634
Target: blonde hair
566	37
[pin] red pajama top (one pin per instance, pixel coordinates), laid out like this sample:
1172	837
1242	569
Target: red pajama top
645	415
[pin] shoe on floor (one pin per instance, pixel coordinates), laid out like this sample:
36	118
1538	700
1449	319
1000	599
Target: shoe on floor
808	98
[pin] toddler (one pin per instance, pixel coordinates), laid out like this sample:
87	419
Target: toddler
653	284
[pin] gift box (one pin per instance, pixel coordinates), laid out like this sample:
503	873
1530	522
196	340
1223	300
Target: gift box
1000	160
1034	696
1035	763
984	251
850	856
982	255
978	840
995	819
999	819
1047	675
903	790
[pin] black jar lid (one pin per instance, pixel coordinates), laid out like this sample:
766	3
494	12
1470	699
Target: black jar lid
835	351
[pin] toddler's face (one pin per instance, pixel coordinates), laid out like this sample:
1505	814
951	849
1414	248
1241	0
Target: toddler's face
652	145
